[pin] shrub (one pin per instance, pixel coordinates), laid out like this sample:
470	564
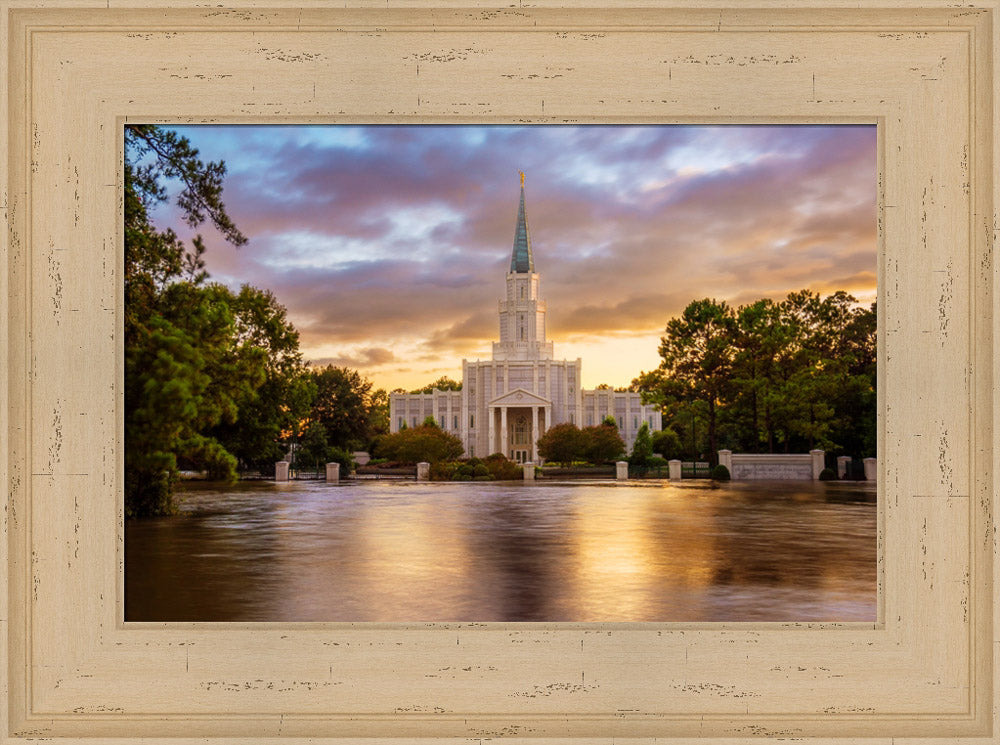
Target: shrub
602	443
563	443
341	456
423	443
503	469
642	450
443	470
719	473
667	443
464	472
469	470
827	474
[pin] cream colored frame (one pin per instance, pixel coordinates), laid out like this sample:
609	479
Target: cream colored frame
76	71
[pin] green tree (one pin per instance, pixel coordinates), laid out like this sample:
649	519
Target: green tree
697	358
178	332
425	443
770	376
314	450
563	443
444	383
855	402
345	405
760	338
667	443
283	398
642	448
813	368
603	443
378	413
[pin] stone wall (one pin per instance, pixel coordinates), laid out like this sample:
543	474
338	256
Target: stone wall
774	466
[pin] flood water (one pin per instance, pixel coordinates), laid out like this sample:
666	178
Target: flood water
595	551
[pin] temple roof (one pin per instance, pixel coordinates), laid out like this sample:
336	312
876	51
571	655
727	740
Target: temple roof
521	260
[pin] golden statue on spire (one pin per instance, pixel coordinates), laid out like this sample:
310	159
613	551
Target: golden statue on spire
522	178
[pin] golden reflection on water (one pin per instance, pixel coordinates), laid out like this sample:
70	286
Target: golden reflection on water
619	562
405	552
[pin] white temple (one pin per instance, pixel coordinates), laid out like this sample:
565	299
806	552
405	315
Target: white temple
507	402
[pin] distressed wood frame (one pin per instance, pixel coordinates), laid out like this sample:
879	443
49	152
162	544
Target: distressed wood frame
75	71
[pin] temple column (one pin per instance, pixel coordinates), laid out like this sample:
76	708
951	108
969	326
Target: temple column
492	430
534	434
503	430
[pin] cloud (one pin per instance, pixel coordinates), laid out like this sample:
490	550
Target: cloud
362	358
398	237
471	328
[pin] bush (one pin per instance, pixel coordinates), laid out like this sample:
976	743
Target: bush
424	443
719	473
667	443
642	450
341	456
563	443
443	470
503	469
463	472
603	443
827	474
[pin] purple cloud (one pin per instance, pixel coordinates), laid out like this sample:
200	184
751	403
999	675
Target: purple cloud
397	237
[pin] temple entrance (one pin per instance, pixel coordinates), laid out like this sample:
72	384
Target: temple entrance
516	420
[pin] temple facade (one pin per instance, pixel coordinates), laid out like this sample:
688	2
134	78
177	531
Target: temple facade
508	401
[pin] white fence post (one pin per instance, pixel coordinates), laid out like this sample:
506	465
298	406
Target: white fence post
818	461
871	469
842	461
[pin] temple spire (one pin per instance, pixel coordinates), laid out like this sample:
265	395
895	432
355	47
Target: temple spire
521	260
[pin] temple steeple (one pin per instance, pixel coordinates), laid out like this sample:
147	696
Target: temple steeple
522	312
521	260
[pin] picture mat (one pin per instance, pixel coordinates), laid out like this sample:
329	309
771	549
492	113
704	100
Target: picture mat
923	670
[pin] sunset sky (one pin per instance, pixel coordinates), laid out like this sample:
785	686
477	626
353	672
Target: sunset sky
389	245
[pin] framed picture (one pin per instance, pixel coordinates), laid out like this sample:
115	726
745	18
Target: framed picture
75	76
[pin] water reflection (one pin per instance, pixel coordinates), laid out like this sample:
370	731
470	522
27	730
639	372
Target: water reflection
401	551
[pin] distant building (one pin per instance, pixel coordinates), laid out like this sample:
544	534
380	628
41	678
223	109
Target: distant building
506	403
